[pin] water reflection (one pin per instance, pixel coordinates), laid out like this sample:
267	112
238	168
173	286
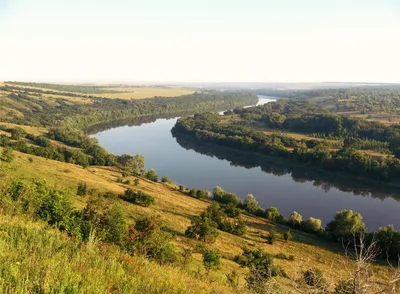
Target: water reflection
299	174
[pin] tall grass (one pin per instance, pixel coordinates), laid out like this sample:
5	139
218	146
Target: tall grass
38	259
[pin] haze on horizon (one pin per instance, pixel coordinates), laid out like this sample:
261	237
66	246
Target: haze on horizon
200	41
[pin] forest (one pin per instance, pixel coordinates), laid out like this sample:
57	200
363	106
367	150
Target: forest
335	143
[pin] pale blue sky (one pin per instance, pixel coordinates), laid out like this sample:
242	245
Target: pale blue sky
200	41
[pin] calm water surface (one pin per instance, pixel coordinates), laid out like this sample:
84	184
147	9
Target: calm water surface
286	189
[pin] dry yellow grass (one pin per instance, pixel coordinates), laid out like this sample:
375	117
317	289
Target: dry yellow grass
177	209
144	92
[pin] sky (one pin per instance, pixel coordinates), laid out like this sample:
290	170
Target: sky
156	41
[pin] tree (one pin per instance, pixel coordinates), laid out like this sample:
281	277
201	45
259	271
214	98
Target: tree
250	203
192	192
133	164
313	225
296	219
345	225
202	228
272	213
151	175
7	155
202	194
166	179
211	258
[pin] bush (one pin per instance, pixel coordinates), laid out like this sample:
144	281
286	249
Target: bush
345	224
271	237
287	235
202	228
151	175
41	141
55	208
192	192
221	196
202	194
314	278
7	155
251	204
82	189
211	258
114	225
313	225
136	182
138	197
296	219
166	179
272	213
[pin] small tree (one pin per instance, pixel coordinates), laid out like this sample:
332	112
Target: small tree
272	213
202	194
346	224
136	182
203	228
251	204
133	164
82	189
296	219
287	235
211	258
313	225
166	179
7	155
192	192
151	175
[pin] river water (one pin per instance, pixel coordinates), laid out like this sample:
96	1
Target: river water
273	184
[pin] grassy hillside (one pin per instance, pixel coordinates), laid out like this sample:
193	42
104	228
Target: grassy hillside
309	251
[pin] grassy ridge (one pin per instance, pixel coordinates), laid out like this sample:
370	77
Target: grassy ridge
176	210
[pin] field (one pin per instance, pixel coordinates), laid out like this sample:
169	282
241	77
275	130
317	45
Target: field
176	210
108	91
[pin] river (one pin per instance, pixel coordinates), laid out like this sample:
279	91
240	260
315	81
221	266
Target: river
308	192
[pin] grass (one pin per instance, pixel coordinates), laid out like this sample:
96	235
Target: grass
127	92
144	92
176	210
35	259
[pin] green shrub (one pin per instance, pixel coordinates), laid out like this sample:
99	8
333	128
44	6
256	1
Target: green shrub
136	182
202	228
211	259
114	225
287	235
138	197
151	175
272	213
7	155
166	179
82	189
271	237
